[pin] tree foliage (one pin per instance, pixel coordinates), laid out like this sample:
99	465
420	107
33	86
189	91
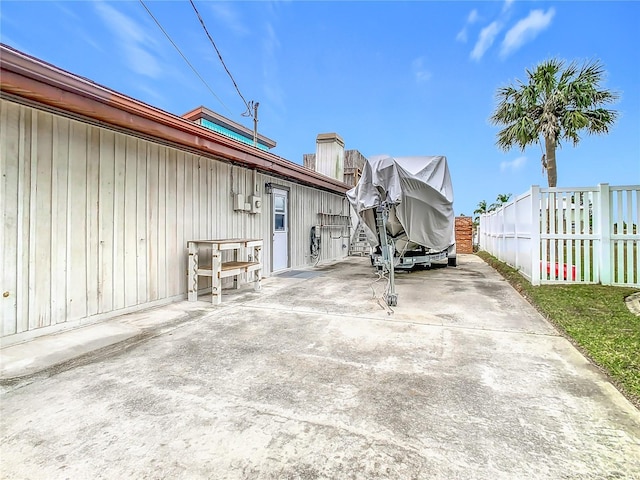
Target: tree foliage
484	208
557	103
500	199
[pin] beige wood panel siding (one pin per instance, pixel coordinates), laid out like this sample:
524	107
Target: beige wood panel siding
95	222
305	204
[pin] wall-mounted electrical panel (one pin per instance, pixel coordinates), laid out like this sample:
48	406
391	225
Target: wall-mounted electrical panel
251	204
238	202
255	203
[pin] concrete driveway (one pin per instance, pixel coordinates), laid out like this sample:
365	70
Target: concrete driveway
313	378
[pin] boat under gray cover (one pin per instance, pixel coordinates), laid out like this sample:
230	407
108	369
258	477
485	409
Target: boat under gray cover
419	194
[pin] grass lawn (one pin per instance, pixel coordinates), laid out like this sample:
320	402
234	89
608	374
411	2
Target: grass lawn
595	317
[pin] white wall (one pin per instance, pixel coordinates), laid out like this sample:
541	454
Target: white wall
95	222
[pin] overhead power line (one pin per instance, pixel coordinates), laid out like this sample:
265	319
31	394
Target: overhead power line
249	107
183	56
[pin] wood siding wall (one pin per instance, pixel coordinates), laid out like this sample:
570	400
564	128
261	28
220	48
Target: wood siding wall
95	222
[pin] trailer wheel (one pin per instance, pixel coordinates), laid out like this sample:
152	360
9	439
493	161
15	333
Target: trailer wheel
452	261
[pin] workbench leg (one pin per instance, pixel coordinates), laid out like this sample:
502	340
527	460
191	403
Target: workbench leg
257	257
216	281
236	279
192	273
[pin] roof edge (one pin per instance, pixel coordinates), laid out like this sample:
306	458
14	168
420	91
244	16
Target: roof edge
33	79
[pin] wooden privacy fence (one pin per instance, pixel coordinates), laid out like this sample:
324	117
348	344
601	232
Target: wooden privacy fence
568	235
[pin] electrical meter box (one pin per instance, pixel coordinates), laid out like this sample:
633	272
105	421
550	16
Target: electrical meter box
256	204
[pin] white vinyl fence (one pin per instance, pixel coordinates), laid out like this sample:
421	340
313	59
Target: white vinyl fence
568	235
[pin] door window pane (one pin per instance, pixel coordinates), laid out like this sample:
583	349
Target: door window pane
279	203
279	222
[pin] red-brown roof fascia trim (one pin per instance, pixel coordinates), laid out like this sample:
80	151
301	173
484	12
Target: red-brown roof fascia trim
30	78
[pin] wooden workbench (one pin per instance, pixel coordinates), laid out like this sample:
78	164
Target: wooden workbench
215	268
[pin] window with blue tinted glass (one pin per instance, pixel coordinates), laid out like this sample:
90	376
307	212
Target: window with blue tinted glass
228	133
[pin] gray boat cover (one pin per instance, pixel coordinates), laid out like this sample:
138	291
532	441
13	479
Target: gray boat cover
420	193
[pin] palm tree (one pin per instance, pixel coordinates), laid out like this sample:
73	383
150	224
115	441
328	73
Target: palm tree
501	199
556	104
482	208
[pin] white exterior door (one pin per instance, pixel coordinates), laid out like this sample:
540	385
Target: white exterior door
280	229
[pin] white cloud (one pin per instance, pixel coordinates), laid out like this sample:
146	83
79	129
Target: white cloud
125	27
229	15
271	42
507	5
89	39
526	30
133	40
420	71
150	93
471	19
141	61
485	39
271	87
513	165
67	11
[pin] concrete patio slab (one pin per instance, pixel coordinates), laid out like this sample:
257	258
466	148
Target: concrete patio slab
313	378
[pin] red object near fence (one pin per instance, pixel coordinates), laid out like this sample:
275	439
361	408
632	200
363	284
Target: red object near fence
555	273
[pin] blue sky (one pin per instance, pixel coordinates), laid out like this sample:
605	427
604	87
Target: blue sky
402	78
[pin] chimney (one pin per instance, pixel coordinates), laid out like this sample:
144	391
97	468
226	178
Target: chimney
330	155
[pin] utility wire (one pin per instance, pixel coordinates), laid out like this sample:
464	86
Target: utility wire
220	56
182	55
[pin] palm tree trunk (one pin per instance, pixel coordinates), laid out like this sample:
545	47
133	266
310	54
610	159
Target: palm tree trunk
552	172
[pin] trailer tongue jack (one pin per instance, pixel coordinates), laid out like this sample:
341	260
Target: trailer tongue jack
388	250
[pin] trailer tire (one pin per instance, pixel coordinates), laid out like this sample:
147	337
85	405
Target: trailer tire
452	261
